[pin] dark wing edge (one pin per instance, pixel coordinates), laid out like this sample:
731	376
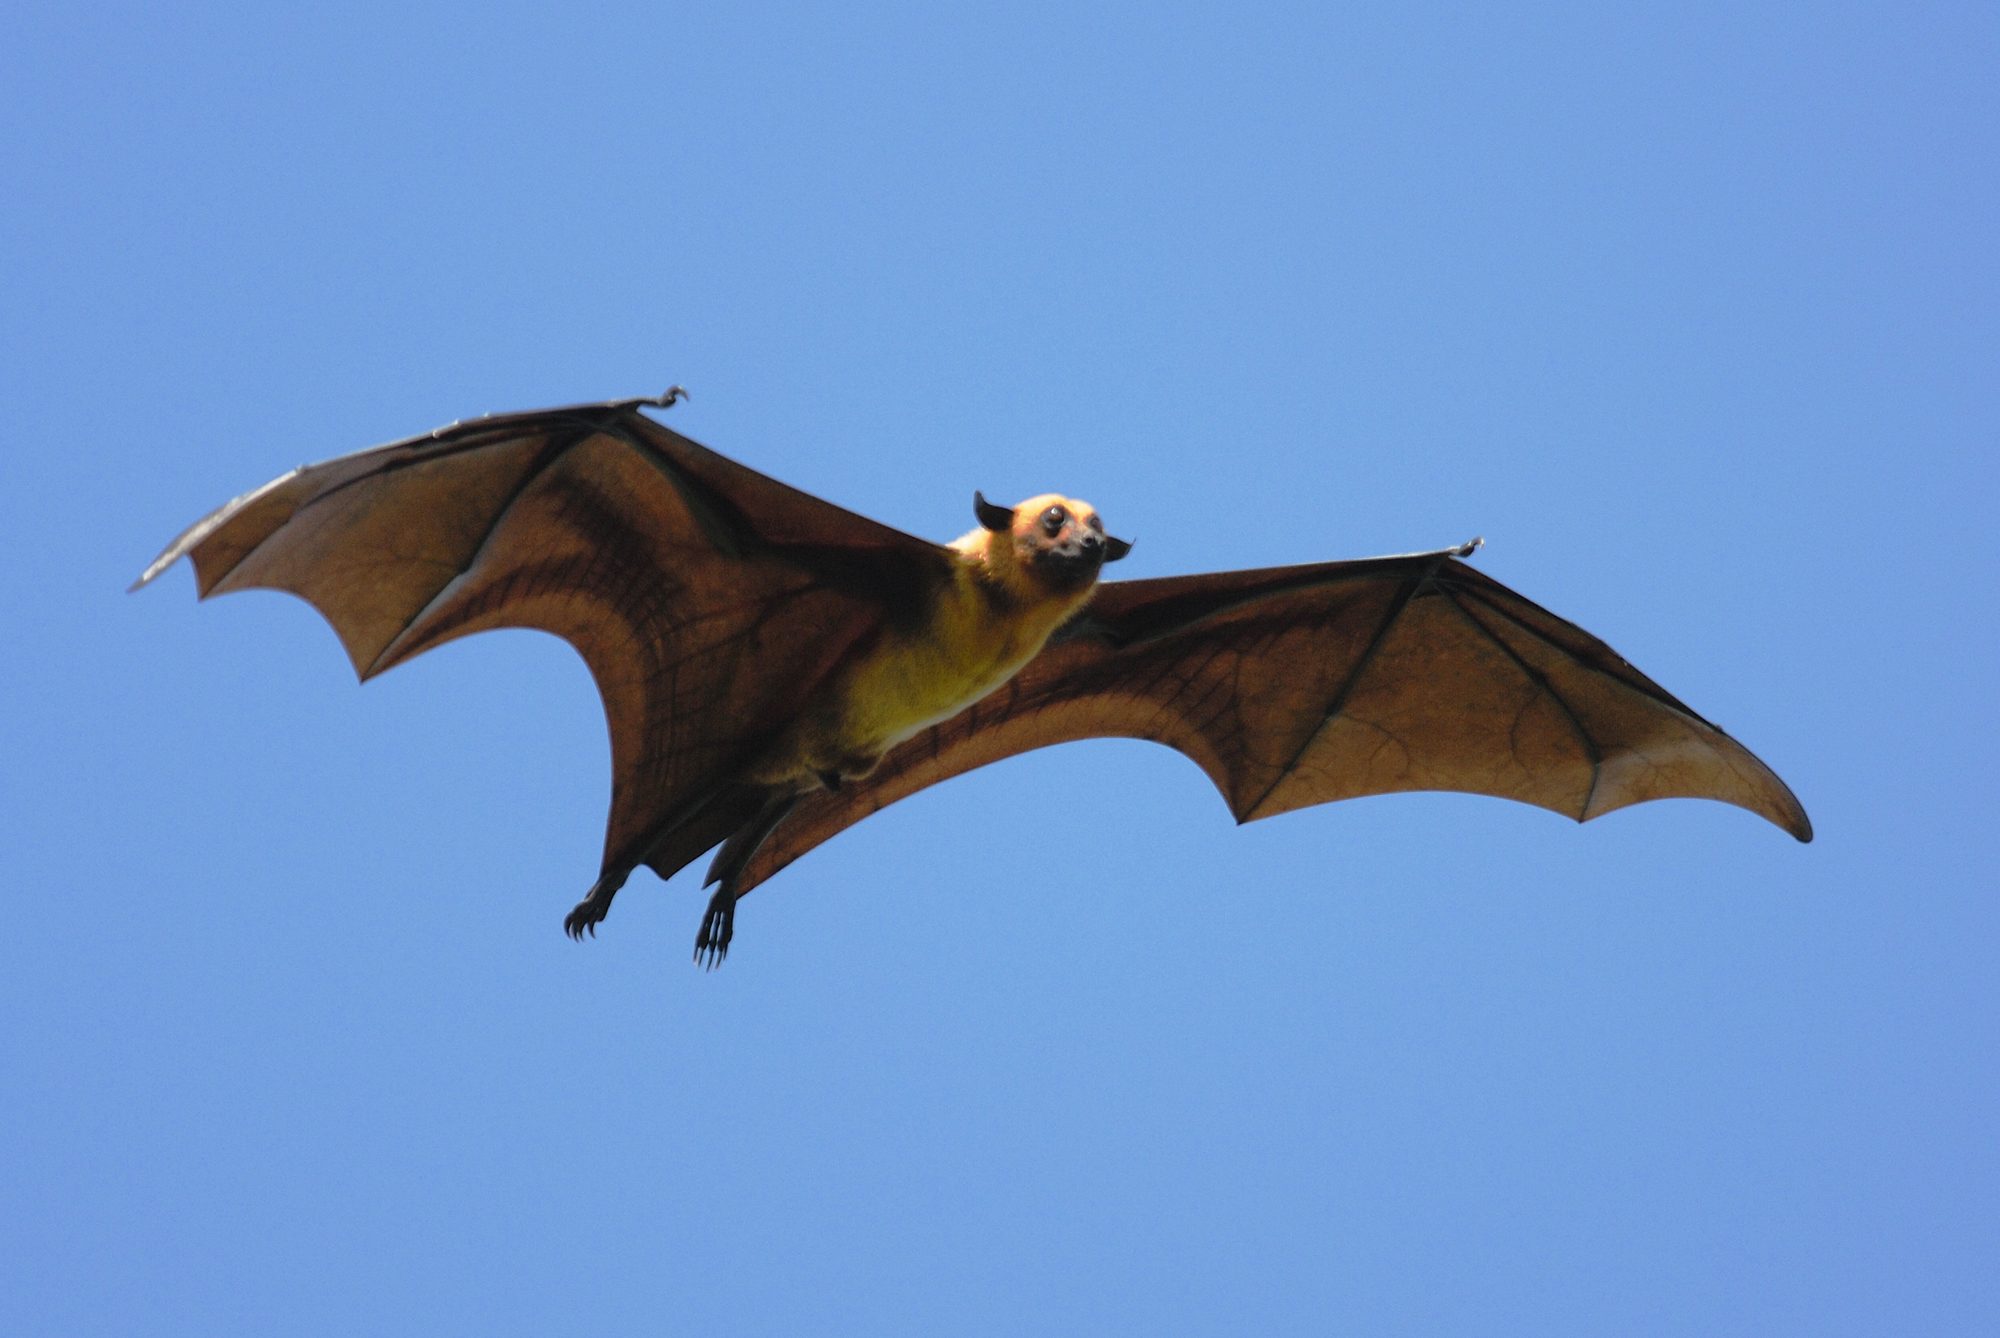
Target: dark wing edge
714	489
702	607
1298	686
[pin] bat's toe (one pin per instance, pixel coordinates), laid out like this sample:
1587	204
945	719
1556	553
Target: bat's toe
718	926
583	919
585	916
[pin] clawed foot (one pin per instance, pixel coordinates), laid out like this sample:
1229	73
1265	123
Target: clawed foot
583	917
718	926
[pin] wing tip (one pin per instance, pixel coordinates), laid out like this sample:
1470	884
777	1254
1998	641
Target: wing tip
189	539
1782	808
181	545
171	554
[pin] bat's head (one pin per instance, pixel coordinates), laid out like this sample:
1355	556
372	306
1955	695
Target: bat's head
1059	541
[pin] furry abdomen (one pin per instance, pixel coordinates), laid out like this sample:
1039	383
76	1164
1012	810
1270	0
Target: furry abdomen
975	639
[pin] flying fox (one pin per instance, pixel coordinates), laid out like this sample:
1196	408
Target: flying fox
775	668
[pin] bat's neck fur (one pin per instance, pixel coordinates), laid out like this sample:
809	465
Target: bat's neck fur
979	630
996	568
1022	603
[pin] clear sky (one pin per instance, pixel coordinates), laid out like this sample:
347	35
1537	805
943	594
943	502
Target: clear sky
1691	310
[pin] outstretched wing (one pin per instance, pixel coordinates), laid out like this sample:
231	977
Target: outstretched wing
1293	686
708	600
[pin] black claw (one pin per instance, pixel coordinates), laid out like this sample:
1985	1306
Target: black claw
583	919
711	941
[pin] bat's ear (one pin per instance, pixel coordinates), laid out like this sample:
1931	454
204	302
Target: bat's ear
999	519
1115	548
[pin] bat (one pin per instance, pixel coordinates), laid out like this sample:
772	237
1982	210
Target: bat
775	668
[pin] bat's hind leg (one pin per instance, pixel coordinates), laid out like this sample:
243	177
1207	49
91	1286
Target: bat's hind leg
718	926
718	923
682	835
596	904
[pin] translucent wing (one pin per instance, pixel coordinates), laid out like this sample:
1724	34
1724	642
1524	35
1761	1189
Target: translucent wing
1302	685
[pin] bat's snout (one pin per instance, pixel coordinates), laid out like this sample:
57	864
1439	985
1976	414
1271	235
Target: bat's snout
1069	565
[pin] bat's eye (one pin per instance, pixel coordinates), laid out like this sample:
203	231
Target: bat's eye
1052	521
1095	523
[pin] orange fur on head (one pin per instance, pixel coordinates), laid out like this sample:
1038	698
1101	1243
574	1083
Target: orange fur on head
1016	558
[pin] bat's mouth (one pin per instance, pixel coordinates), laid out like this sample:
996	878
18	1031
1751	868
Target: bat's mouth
1070	566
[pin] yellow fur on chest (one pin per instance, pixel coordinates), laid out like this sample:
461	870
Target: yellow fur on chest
971	643
913	680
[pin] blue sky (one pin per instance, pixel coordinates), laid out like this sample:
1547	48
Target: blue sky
1692	311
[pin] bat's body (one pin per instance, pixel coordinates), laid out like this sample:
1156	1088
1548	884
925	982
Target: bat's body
971	632
774	668
967	633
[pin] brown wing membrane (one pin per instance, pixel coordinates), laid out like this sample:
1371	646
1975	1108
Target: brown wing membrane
707	599
1301	685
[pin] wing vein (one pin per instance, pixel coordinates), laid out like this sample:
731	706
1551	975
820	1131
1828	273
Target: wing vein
1361	663
1272	583
1644	687
388	466
552	450
726	536
1548	689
